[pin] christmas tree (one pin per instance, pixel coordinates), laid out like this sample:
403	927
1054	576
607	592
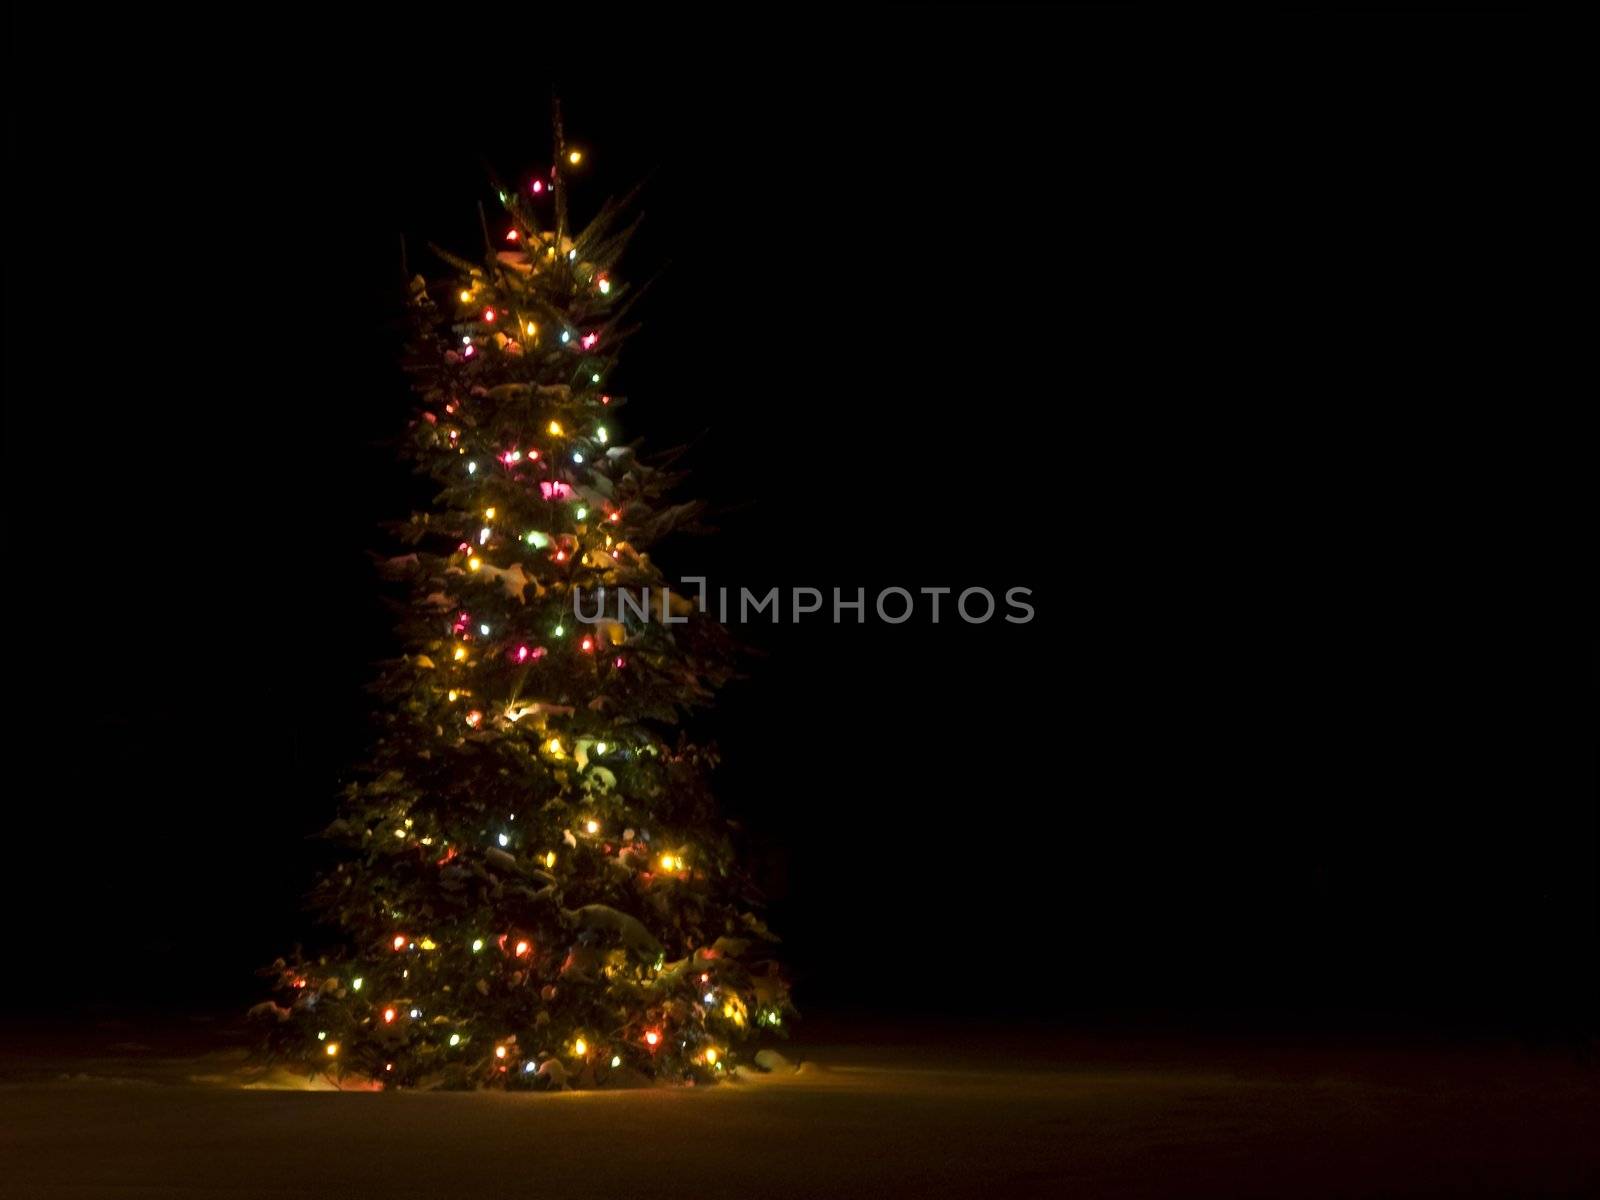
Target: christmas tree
532	886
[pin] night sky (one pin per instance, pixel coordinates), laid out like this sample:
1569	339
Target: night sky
1200	346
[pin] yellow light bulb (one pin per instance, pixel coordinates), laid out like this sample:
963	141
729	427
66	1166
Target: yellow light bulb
580	1047
499	1051
465	295
454	695
711	1055
488	514
575	157
553	745
474	563
549	859
555	428
332	1049
592	826
533	330
461	653
428	944
668	863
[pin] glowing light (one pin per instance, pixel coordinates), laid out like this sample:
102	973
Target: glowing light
459	655
332	1049
615	517
483	629
595	378
504	840
555	491
586	645
488	316
554	428
616	1060
522	949
428	943
357	982
553	746
499	1051
522	654
475	718
581	513
669	863
536	539
511	457
620	662
549	859
588	340
652	1037
602	435
473	564
604	285
469	352
580	1047
415	1013
560	631
399	941
577	458
477	945
528	1068
710	997
711	1055
566	334
511	236
575	157
531	329
455	1039
591	826
488	514
322	1035
536	187
399	833
472	468
388	1016
483	535
466	296
599	748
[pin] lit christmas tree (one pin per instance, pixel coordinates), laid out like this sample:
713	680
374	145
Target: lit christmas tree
534	888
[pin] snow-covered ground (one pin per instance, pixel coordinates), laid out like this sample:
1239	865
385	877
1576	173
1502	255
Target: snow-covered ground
1093	1118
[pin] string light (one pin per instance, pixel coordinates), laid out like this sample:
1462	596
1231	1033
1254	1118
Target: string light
511	235
588	340
398	941
549	859
554	428
388	1016
669	863
575	157
415	1013
488	316
332	1049
581	513
591	826
604	285
601	434
711	1055
472	467
587	645
616	1060
553	746
522	949
488	514
483	629
455	1039
536	187
357	982
599	748
499	1051
477	945
475	718
580	1047
560	631
566	336
576	457
504	840
652	1038
473	564
466	296
531	329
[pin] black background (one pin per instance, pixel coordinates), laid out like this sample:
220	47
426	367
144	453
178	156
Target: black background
1206	332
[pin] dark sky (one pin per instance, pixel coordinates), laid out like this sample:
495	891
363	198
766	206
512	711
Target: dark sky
1199	331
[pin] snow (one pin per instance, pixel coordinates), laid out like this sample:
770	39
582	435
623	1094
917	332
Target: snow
950	1118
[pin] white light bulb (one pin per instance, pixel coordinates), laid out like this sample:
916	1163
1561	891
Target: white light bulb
483	629
601	433
566	335
504	840
577	458
472	468
483	536
616	1060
